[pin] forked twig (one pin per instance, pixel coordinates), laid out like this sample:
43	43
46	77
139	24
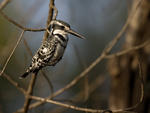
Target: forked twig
123	52
14	83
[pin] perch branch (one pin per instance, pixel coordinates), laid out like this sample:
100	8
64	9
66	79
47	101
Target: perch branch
32	81
29	92
49	18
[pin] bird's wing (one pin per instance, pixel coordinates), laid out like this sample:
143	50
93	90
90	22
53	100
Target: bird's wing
42	57
45	52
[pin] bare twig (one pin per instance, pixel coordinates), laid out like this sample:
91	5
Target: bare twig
56	12
18	41
86	81
19	25
29	92
66	105
123	52
92	87
27	47
48	80
142	81
14	83
54	18
49	18
3	4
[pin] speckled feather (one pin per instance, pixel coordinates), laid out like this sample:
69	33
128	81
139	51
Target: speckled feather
49	53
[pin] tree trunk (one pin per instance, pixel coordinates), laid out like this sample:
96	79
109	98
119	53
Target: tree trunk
124	70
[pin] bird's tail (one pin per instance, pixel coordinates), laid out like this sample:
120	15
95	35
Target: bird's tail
24	75
28	72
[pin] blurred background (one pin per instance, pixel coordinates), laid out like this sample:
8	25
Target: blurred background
98	20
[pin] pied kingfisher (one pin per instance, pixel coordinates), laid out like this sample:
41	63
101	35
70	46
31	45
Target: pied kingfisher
52	49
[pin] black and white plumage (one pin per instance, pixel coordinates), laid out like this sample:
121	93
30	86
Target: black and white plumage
52	49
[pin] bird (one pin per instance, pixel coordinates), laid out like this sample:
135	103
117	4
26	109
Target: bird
52	48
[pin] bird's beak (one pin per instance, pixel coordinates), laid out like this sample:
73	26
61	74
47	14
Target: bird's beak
75	33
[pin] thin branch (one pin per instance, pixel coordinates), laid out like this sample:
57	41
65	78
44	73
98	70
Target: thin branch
27	47
54	18
29	92
3	4
19	25
99	59
117	37
92	87
86	81
49	18
123	52
48	81
18	41
55	12
141	80
14	83
66	105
